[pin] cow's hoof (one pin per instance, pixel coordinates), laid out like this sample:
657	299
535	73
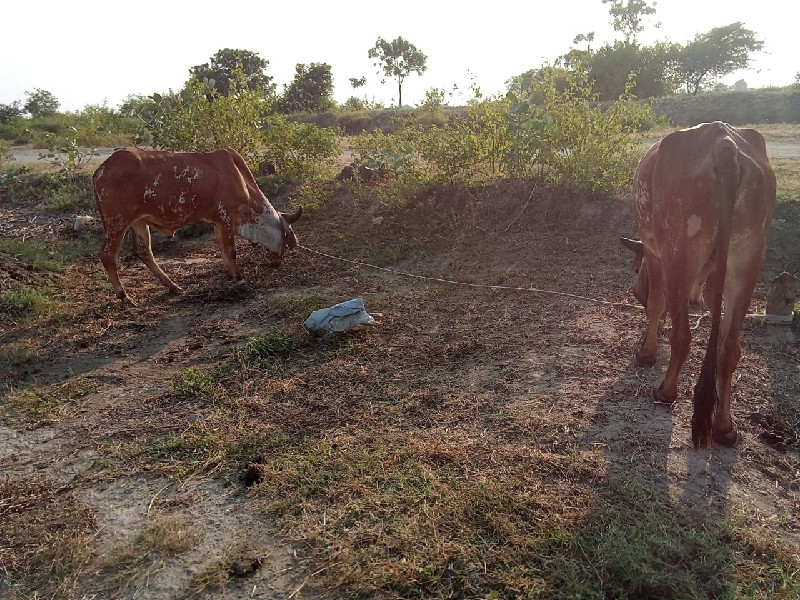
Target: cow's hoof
726	438
659	396
645	359
245	287
126	301
175	290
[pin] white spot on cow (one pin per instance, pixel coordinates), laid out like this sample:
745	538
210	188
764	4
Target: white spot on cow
157	180
693	225
149	193
99	172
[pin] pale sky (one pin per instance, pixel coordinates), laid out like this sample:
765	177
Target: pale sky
92	52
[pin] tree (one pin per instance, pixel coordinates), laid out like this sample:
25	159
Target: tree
311	90
357	82
627	17
398	59
652	67
226	61
715	53
40	103
199	118
9	112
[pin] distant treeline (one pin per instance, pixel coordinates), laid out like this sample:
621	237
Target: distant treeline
767	105
778	105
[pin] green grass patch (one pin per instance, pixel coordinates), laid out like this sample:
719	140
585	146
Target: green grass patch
192	382
22	303
53	254
201	448
276	343
22	186
42	405
787	174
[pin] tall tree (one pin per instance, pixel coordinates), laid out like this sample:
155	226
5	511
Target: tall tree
40	103
311	90
398	59
715	53
628	16
9	112
652	67
223	64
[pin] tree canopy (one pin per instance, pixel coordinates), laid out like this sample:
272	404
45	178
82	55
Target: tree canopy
715	53
40	103
628	17
398	59
225	62
311	90
662	68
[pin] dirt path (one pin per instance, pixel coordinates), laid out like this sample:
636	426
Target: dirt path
24	155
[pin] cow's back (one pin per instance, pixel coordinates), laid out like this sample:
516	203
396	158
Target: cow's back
678	193
169	188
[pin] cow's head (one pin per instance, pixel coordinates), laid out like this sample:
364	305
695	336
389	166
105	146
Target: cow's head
272	229
641	286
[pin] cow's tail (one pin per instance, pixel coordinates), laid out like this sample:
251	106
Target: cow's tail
726	167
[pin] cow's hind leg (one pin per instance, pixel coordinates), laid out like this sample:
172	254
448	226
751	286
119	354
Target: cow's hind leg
736	298
145	252
109	257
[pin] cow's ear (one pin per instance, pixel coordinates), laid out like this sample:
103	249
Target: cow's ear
292	217
634	246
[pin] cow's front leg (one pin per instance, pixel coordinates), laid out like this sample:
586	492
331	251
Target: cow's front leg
227	247
646	355
109	257
680	339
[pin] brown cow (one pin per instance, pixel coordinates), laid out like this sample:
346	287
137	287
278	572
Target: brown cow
138	189
703	201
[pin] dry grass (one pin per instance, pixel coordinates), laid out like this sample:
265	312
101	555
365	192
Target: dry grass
45	538
131	564
475	444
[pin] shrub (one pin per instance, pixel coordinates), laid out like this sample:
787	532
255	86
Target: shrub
5	153
577	143
200	119
299	149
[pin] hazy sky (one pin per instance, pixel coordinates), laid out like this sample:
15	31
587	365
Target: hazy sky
89	52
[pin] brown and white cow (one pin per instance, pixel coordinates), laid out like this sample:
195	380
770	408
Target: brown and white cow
703	202
166	190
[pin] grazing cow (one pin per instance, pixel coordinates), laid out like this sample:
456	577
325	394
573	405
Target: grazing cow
138	189
703	201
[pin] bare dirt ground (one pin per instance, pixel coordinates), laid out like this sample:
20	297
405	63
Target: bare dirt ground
516	356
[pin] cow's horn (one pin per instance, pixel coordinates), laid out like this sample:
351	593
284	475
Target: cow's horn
292	217
634	245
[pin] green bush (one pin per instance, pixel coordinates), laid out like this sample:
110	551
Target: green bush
200	119
577	143
299	149
9	132
5	153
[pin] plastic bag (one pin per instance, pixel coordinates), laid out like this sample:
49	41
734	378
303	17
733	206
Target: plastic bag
338	318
